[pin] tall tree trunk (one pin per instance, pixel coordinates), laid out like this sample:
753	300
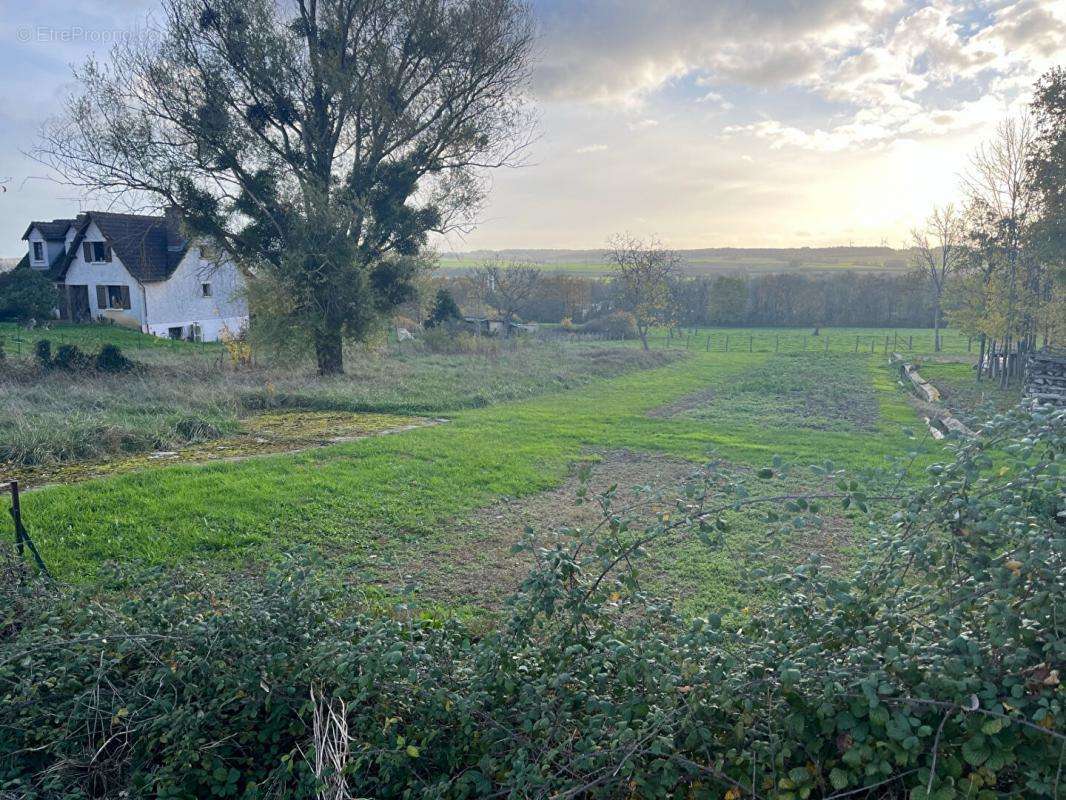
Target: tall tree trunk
981	360
643	337
936	326
329	352
1004	375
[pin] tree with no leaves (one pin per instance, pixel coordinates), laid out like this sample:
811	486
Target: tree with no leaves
508	288
1004	202
644	269
937	254
318	142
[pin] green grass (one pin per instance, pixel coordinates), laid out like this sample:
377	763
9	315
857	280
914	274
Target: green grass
877	341
362	502
183	392
821	392
19	342
518	422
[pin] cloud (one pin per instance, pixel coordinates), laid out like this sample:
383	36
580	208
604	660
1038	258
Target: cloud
643	124
917	78
591	148
619	51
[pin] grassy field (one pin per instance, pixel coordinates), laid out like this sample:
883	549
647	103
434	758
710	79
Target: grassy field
373	506
877	341
186	392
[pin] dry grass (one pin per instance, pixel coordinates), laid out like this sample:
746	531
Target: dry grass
185	395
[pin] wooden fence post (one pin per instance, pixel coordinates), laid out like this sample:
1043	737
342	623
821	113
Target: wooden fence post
856	344
16	516
708	343
727	342
22	538
751	344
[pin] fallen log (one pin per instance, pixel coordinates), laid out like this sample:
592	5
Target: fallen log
925	390
942	422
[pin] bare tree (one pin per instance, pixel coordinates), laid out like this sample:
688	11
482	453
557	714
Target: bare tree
937	254
645	270
318	142
1005	199
508	288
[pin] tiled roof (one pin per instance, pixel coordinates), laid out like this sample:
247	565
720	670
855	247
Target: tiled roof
56	229
139	241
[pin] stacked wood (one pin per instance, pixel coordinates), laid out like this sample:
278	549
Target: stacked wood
1045	378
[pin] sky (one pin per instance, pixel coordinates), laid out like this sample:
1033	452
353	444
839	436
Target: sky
707	123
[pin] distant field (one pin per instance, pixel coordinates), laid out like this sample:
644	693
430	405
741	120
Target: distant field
699	262
878	341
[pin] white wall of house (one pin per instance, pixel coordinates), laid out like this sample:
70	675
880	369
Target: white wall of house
180	301
51	249
107	273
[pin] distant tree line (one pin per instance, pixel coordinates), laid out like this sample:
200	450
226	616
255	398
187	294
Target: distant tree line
845	298
788	299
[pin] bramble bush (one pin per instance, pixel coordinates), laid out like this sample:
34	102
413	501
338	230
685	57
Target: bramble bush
616	325
931	671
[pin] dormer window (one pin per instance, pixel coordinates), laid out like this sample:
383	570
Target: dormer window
205	290
95	252
38	252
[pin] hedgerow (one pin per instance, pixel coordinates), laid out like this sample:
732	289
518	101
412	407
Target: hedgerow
931	671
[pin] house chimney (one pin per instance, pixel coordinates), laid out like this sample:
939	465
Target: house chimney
175	234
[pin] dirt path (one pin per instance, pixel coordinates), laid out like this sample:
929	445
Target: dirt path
472	563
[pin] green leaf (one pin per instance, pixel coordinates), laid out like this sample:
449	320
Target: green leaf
838	778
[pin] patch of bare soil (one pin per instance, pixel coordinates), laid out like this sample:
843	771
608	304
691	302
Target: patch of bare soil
472	562
689	402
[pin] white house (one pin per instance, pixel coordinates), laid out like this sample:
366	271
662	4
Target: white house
138	271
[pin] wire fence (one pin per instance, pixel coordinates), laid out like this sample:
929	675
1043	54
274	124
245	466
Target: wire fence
20	344
740	340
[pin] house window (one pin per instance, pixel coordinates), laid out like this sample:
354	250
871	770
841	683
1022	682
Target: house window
112	297
94	252
38	251
176	332
205	289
